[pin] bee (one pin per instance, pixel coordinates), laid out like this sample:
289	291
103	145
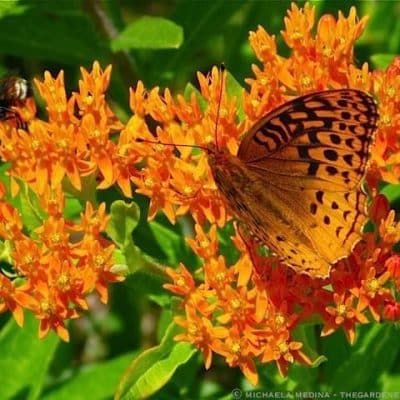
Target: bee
13	92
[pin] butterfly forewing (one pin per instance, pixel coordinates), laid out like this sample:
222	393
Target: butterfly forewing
296	179
318	141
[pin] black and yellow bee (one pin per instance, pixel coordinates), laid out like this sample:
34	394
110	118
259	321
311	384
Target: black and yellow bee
13	92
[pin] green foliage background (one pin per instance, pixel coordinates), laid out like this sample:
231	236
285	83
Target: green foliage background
164	43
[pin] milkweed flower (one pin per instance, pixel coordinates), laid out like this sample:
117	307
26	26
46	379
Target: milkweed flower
57	272
257	299
58	262
245	309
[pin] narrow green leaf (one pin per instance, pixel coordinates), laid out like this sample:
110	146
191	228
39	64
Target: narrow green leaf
149	33
85	384
234	89
24	359
382	61
153	368
189	89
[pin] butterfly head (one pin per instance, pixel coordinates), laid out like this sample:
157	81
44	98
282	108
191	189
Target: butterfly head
226	168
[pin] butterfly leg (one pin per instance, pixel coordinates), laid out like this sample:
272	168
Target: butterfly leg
260	263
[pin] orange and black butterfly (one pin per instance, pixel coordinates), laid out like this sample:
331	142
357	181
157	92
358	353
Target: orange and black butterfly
296	180
13	92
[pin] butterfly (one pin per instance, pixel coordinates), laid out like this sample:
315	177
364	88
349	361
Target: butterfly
296	180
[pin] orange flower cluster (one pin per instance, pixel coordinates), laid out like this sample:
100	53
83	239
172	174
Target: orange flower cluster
61	261
75	142
247	312
57	268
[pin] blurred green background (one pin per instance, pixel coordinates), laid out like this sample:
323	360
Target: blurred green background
164	43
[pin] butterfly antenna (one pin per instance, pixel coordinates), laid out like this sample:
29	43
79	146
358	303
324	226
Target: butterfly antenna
140	140
221	86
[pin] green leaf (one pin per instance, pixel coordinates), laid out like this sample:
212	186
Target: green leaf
172	243
382	61
124	219
6	249
153	368
376	353
31	209
88	191
12	7
73	39
390	383
392	192
149	33
24	359
148	282
85	384
234	89
189	89
72	208
306	334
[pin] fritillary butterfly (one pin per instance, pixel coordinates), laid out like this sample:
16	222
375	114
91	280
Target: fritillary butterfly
296	180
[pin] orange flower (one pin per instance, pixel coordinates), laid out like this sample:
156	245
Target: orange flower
53	311
217	275
183	281
284	351
53	92
15	299
373	293
205	245
239	352
100	262
299	24
63	261
200	332
392	311
10	222
344	314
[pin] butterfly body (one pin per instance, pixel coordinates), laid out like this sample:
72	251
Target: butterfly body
296	179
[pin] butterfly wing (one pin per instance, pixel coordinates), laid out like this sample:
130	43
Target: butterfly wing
317	141
309	156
